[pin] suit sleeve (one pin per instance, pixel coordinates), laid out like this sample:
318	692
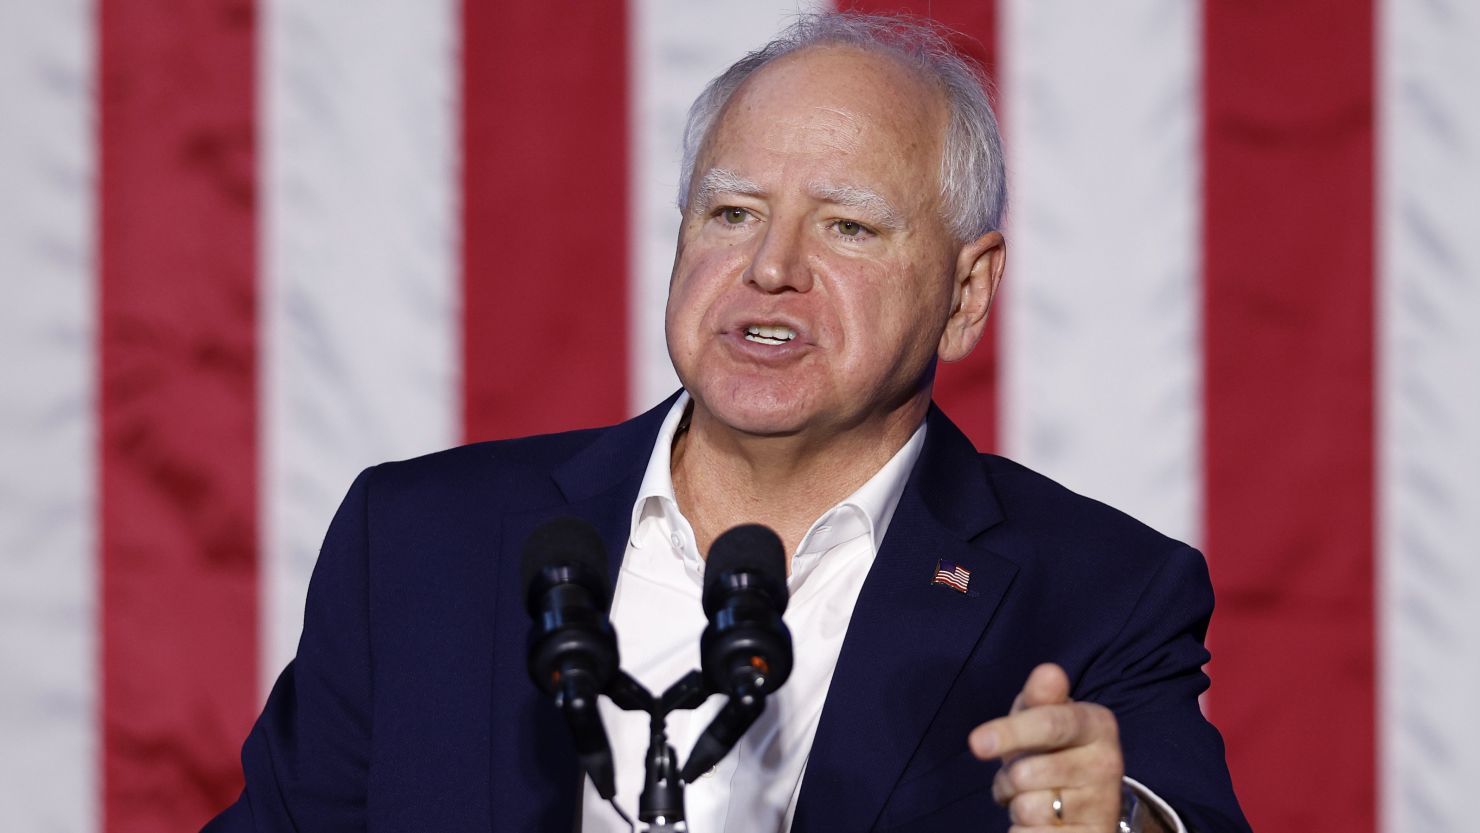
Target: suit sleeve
1151	676
306	760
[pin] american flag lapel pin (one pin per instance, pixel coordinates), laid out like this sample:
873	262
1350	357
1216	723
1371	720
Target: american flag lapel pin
952	575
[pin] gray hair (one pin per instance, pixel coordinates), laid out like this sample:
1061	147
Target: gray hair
973	179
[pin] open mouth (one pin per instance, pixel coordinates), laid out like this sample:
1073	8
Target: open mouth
765	334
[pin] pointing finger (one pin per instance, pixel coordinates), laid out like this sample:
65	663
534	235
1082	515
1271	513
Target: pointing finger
1048	684
1041	729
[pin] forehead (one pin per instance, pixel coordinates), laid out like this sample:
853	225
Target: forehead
833	107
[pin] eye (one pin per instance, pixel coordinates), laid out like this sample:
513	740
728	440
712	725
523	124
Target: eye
852	229
734	216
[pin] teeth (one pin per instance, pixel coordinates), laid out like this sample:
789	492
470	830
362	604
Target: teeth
764	334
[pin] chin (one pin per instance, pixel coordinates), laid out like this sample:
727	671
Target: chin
757	412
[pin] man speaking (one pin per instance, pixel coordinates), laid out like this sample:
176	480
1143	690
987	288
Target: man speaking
975	646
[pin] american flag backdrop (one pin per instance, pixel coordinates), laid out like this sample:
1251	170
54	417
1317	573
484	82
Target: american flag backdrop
252	246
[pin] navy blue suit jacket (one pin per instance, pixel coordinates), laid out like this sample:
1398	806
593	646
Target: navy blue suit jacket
408	706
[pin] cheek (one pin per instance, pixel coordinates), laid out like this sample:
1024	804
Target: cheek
888	316
700	279
687	303
877	302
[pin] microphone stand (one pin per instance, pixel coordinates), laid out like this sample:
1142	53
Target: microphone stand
660	806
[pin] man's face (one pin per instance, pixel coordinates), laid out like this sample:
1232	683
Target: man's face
814	273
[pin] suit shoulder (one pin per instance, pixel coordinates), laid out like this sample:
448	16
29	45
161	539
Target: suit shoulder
509	466
1056	518
1075	553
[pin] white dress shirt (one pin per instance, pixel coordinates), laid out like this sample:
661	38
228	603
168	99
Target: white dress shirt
658	616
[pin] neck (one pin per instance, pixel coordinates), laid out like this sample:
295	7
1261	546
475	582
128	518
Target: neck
723	478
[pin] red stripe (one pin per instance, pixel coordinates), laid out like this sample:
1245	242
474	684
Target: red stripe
545	216
1288	254
177	330
966	390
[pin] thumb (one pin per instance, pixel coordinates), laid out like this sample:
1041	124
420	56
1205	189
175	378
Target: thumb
1047	685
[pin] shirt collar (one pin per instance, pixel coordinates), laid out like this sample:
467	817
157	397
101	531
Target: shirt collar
868	511
656	495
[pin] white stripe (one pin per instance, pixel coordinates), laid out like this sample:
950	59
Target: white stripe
48	614
1102	379
677	46
361	292
1429	406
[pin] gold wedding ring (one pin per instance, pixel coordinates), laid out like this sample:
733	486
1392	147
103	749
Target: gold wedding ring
1058	808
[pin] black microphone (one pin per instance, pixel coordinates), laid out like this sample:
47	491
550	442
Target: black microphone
745	651
572	648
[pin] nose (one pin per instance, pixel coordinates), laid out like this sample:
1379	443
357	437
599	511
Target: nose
779	263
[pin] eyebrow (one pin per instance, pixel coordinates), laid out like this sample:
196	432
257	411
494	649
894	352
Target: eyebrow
878	210
875	208
722	181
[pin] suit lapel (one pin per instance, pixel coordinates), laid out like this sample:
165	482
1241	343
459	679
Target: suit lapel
908	638
534	767
600	484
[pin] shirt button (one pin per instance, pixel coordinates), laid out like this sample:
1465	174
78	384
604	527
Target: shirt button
677	541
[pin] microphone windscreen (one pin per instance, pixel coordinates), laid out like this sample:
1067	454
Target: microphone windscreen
565	542
750	547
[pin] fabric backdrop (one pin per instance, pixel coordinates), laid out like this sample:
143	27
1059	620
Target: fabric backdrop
252	246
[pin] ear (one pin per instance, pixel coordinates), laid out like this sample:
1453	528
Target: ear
978	271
